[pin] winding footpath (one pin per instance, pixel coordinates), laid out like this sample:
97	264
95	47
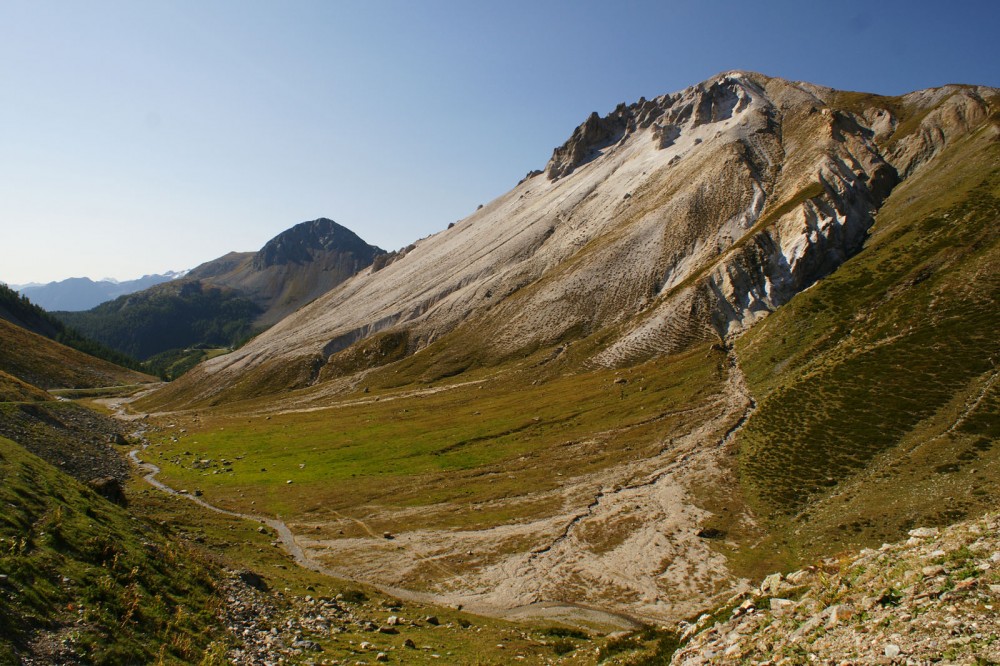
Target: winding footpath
567	612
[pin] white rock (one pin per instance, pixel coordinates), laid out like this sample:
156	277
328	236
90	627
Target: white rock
923	533
892	650
771	583
837	614
780	606
797	577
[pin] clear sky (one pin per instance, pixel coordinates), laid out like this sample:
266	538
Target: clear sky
141	137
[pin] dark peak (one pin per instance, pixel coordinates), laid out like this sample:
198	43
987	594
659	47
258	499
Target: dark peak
304	241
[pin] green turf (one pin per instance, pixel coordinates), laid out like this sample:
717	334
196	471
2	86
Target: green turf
467	442
868	420
109	588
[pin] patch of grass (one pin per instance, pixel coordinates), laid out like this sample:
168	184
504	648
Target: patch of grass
567	632
647	647
439	447
46	364
13	389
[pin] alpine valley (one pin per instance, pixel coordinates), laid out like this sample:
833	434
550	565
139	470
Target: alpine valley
738	333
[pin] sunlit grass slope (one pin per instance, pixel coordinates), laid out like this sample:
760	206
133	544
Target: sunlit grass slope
84	582
47	364
877	388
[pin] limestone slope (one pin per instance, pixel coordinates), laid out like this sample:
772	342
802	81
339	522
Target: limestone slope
669	222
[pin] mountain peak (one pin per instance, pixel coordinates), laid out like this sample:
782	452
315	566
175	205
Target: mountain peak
299	244
713	100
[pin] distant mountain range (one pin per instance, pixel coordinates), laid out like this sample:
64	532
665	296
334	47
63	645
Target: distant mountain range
81	293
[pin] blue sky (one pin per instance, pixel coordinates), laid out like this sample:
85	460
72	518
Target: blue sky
140	137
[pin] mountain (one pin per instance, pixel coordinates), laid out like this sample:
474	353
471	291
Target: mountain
222	302
74	294
293	268
724	332
676	220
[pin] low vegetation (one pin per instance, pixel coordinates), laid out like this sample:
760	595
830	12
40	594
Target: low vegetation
877	387
84	580
495	435
46	364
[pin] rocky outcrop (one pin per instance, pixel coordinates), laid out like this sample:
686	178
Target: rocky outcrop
595	133
706	103
933	596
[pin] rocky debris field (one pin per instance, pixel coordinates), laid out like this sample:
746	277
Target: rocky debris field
932	599
74	439
272	627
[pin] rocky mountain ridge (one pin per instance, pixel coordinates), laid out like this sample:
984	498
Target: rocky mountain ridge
680	219
766	340
291	269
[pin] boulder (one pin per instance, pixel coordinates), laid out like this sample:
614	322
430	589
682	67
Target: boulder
110	489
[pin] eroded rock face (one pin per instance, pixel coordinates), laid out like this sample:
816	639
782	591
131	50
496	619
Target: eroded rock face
703	104
674	220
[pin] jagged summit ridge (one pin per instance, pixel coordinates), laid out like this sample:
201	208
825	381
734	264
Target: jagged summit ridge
674	220
669	115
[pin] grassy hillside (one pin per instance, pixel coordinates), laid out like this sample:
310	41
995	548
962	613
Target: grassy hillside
13	389
877	388
84	582
491	436
19	310
46	364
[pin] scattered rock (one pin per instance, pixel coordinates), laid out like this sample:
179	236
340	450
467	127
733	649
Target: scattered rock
779	606
887	606
771	584
838	614
308	645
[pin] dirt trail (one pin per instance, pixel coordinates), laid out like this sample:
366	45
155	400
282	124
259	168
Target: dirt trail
571	613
